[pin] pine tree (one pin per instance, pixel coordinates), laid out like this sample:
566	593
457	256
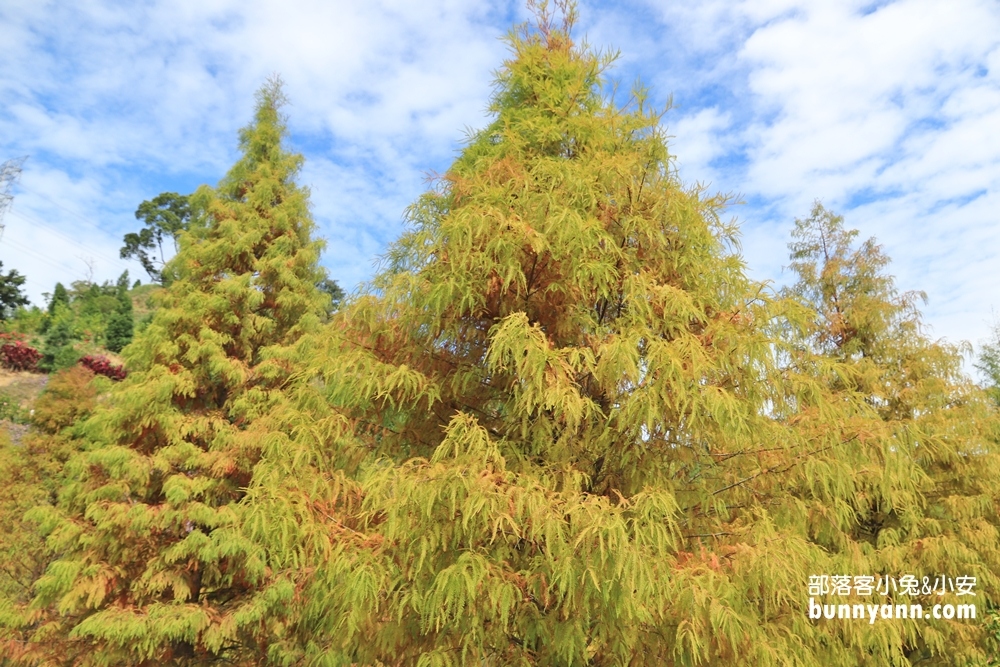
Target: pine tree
121	325
58	351
59	297
151	563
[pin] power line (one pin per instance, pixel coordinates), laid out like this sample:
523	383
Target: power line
42	258
70	211
36	221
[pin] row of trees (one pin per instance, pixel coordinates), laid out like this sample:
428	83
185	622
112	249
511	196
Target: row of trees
87	317
561	427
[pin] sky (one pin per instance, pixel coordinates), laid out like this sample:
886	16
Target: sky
886	112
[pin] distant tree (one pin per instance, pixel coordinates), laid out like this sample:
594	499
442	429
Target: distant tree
165	217
332	290
988	363
60	296
58	351
847	286
11	296
121	325
919	484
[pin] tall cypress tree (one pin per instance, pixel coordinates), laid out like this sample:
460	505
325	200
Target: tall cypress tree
152	566
564	428
554	430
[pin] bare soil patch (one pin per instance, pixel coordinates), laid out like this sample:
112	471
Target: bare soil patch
21	388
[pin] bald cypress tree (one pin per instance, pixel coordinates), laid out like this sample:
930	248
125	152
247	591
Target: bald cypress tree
151	563
562	426
924	482
554	430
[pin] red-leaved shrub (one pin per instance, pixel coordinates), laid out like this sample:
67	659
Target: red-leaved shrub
17	356
102	366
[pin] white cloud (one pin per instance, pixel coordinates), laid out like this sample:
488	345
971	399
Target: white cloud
895	105
134	100
887	112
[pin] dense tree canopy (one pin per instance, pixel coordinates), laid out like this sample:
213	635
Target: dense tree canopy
561	427
165	216
121	325
564	428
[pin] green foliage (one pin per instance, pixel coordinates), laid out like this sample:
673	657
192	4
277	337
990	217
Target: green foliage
120	330
69	396
121	326
988	363
11	296
923	486
334	293
60	297
165	216
58	351
22	488
561	427
151	562
27	321
31	475
564	428
88	316
11	409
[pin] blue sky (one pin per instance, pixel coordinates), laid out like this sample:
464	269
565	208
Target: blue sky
888	112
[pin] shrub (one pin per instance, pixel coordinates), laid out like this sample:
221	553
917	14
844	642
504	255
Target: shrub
119	331
17	356
68	398
101	365
58	351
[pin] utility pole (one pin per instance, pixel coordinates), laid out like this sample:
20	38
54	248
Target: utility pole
10	171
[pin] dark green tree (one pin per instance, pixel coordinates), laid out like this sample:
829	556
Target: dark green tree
333	291
11	295
165	217
60	296
988	363
121	326
58	351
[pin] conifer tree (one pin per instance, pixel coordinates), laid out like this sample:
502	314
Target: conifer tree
121	325
30	476
151	564
923	488
554	429
562	427
988	363
58	351
59	296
